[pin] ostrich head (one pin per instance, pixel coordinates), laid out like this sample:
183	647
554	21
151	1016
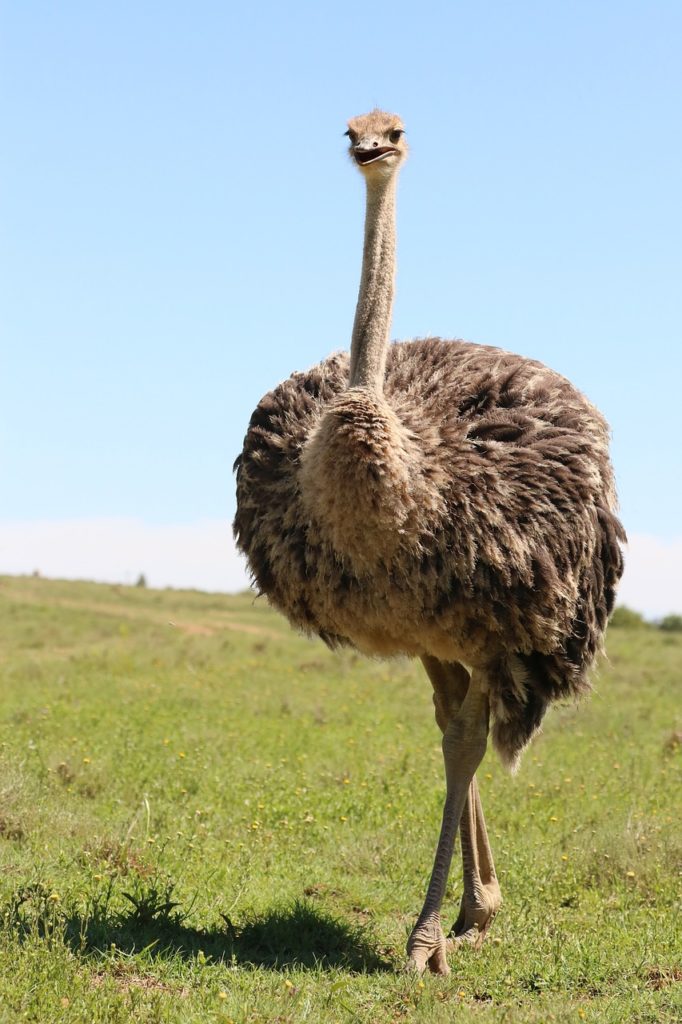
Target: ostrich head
377	143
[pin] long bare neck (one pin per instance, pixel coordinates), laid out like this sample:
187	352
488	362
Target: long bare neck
375	301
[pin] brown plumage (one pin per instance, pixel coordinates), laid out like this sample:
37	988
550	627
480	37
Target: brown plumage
436	499
474	522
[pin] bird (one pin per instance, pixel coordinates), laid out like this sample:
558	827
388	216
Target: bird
441	500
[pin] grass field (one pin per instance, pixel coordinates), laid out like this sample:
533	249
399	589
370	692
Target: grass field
204	817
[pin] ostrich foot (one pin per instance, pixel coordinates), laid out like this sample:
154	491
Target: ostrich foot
426	947
476	914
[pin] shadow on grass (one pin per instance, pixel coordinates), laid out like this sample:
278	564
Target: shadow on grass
300	936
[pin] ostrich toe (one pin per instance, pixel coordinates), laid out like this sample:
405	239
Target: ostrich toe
427	947
475	916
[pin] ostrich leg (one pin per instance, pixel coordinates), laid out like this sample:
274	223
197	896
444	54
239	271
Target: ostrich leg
464	743
481	898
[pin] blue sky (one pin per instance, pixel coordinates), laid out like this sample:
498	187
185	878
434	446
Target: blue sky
181	228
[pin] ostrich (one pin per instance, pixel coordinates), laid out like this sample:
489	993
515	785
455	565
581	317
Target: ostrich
441	500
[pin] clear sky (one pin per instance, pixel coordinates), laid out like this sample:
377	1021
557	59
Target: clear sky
181	229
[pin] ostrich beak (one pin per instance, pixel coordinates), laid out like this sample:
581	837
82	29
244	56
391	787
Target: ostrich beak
370	156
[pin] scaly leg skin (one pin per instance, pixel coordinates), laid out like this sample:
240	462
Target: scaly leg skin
464	744
482	898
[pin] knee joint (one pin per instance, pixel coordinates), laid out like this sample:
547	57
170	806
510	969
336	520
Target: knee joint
465	738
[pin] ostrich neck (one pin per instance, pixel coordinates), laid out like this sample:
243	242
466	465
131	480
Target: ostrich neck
375	300
361	477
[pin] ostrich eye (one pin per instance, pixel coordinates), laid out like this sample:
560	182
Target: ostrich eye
351	135
395	135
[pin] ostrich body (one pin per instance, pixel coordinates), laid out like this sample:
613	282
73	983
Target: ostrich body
443	500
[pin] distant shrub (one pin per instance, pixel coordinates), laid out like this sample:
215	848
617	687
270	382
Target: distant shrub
141	580
626	618
671	624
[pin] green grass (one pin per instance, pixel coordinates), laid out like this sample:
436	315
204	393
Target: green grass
204	817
